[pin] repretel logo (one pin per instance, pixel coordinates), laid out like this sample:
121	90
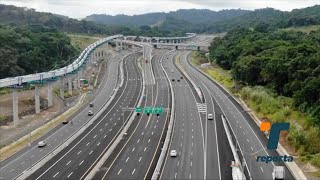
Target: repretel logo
274	132
273	141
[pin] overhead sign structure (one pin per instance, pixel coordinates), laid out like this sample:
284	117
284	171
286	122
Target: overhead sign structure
138	109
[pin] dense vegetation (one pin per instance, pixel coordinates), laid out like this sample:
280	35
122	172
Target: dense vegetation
32	49
193	16
13	15
210	21
270	18
285	62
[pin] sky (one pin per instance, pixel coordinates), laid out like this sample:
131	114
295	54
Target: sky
82	8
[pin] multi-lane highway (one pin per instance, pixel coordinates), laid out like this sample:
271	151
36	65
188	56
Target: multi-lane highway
201	144
76	160
251	142
24	159
138	155
188	135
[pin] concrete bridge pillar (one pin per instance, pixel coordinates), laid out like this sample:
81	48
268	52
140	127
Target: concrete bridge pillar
75	81
37	98
50	103
70	84
15	107
62	88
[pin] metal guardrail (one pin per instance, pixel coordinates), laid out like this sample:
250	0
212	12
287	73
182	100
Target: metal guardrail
19	80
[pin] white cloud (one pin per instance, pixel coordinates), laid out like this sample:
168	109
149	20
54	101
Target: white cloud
82	8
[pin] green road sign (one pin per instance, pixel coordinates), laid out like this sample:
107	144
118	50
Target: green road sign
148	110
84	81
157	110
139	109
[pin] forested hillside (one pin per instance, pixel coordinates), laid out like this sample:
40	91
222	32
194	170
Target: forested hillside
32	49
285	62
193	16
270	18
12	15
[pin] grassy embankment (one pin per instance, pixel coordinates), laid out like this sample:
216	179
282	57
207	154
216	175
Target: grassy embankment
302	137
82	41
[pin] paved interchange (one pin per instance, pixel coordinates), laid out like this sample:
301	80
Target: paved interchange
202	145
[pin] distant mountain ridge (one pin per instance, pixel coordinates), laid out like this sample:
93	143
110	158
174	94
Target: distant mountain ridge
195	20
194	16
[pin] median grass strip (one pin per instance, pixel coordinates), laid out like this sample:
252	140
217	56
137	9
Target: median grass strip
23	142
214	71
302	140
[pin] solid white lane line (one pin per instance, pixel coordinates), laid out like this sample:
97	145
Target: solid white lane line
68	163
81	162
127	159
69	174
133	171
55	175
119	171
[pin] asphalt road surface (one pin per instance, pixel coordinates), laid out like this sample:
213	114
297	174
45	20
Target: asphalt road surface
24	159
137	158
188	135
251	141
78	158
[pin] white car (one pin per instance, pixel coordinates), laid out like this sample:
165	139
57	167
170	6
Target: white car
90	113
210	117
42	144
173	153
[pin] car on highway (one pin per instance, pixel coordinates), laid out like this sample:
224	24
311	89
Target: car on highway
90	113
178	80
172	71
172	79
65	122
42	144
210	116
181	77
91	105
173	153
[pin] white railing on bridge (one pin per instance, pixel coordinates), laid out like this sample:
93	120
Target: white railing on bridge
14	81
